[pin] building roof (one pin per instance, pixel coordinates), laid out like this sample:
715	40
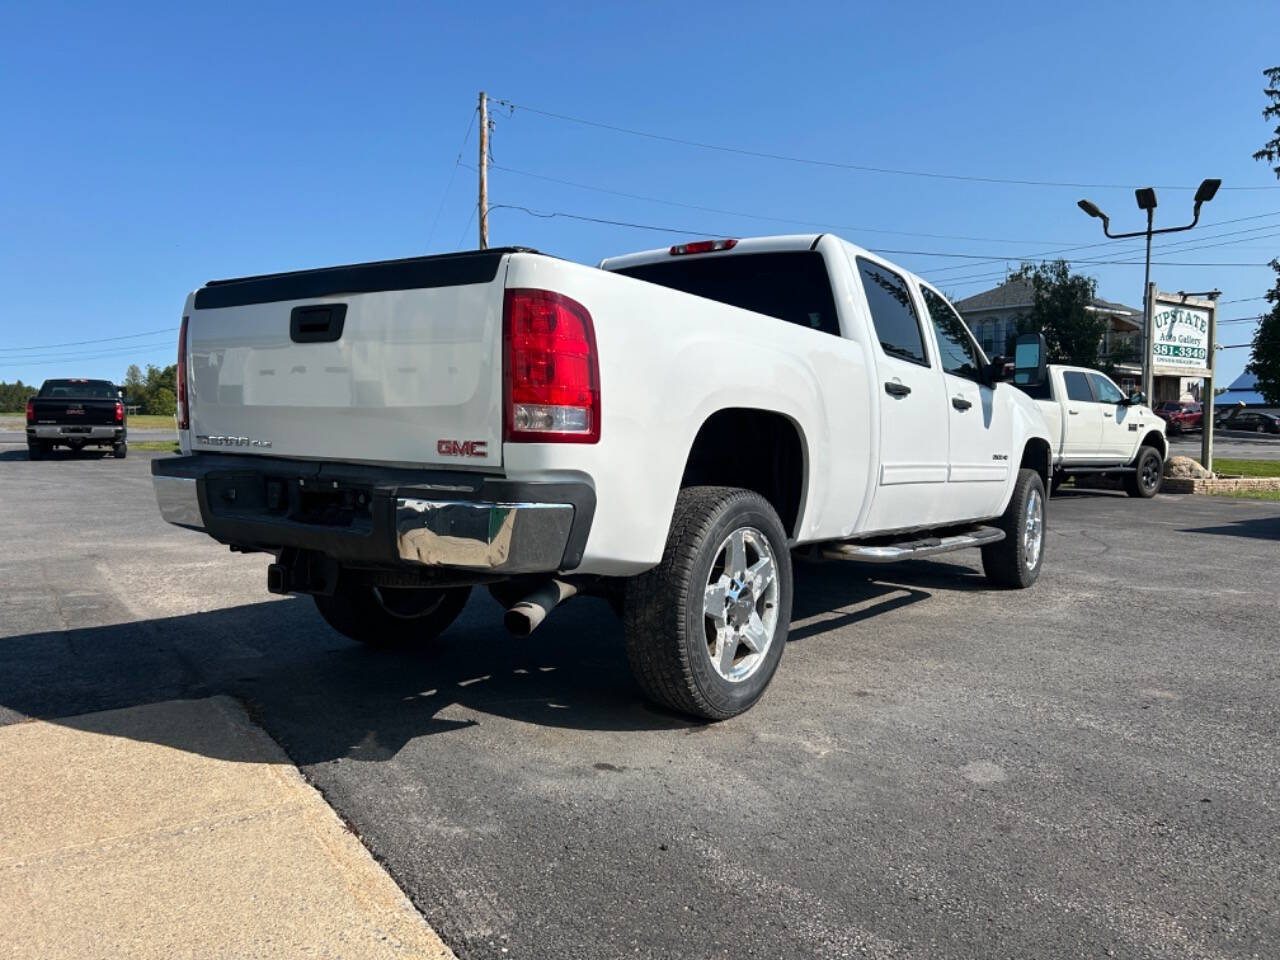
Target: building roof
1019	292
1118	308
1243	389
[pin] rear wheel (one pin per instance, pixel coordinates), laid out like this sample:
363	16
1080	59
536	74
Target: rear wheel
706	628
1148	474
36	449
120	450
392	617
1015	561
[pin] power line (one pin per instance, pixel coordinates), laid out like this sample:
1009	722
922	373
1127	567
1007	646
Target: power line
1136	248
552	214
750	216
989	258
452	173
70	360
77	343
475	207
765	155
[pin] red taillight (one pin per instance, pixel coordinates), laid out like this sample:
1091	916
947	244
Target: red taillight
31	411
551	376
119	412
703	246
184	413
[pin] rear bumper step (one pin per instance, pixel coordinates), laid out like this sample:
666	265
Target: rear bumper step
914	548
378	516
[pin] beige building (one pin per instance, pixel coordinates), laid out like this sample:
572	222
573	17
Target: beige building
993	317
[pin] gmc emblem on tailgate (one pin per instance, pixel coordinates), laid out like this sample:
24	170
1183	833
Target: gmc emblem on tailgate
462	448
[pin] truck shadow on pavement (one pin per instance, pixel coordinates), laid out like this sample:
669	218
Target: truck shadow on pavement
1258	528
324	698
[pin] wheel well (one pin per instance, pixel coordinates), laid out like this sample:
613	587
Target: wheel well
1157	440
1037	456
753	449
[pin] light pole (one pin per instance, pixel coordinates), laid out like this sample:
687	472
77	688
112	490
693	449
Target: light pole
1146	197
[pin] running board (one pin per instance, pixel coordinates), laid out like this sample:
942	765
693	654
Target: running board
912	549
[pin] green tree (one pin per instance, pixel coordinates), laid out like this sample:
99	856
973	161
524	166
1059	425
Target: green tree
161	402
14	396
162	378
1060	310
135	388
1264	362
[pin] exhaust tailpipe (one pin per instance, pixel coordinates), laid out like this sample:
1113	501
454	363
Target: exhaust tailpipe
526	616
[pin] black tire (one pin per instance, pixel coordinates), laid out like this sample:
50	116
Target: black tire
392	618
1148	474
665	624
1005	562
36	450
120	450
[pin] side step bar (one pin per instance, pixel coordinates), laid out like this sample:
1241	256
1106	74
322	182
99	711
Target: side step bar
912	549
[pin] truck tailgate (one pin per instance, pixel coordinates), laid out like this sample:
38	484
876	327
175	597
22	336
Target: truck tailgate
75	412
391	362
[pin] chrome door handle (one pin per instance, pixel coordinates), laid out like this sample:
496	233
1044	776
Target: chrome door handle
960	403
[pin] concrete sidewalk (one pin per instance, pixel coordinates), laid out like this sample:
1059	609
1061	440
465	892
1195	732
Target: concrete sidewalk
181	829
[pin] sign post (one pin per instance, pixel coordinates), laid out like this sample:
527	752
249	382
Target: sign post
1181	345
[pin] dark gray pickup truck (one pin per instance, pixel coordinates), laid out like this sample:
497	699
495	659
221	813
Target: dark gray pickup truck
76	414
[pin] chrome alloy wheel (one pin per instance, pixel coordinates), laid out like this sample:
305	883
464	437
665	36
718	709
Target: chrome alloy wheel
740	604
1033	530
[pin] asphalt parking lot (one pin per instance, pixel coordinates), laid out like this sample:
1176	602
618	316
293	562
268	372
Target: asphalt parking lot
1088	768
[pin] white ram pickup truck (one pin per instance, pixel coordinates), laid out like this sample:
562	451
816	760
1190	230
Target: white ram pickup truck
1096	429
662	432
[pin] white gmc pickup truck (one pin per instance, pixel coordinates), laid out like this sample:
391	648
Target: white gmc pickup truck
1096	429
663	432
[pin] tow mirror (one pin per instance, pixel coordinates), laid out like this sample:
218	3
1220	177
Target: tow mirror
996	371
1030	360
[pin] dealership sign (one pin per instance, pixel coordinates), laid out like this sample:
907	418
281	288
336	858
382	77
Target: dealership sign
1180	336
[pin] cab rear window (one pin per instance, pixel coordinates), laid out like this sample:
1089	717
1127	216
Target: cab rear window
78	389
790	285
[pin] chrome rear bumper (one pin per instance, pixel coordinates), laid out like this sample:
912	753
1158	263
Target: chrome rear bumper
482	524
505	537
59	432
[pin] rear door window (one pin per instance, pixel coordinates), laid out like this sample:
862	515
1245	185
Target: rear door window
1077	386
893	313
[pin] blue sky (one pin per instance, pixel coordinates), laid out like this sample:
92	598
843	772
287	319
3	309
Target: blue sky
149	148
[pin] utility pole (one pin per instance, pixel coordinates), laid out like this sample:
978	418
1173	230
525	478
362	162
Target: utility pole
1206	391
484	171
1148	314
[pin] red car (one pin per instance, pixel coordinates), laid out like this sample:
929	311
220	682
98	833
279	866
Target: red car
1179	416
